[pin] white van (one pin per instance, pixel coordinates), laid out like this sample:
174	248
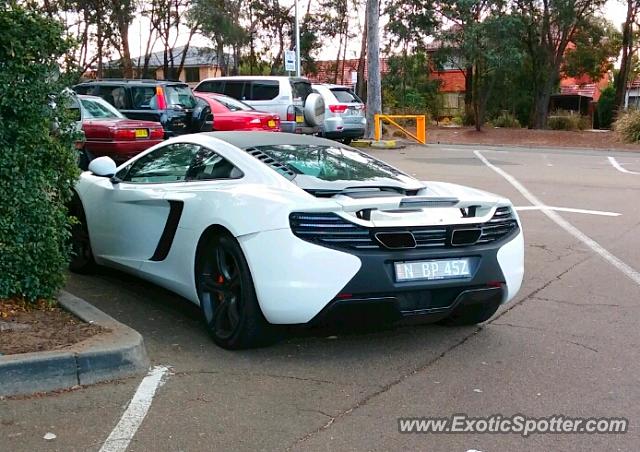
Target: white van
292	98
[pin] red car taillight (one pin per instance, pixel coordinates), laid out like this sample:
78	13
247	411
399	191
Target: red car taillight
337	108
291	113
123	134
156	134
161	102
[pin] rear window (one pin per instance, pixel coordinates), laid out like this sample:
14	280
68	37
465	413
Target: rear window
98	109
330	163
345	96
301	90
263	90
179	96
233	104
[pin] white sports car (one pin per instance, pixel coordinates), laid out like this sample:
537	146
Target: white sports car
267	229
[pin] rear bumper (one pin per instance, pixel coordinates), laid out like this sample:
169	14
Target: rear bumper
336	128
346	133
423	306
308	279
295	127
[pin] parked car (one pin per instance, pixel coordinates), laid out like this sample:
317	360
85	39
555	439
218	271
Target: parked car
345	117
107	132
332	233
291	98
232	114
172	104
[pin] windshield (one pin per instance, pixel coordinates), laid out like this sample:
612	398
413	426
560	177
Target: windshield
99	109
331	163
179	96
233	104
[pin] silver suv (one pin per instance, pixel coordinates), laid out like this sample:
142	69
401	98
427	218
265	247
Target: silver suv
292	98
344	113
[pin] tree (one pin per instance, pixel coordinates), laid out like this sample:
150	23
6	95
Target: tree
548	28
606	105
37	166
407	87
628	43
121	18
595	47
483	43
374	90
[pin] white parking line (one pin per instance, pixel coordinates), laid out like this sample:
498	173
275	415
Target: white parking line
123	433
564	224
619	167
570	209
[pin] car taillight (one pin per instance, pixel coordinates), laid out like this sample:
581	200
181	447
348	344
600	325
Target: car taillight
291	113
123	134
156	134
337	108
161	102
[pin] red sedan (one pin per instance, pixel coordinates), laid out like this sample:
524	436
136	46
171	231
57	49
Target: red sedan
109	132
231	114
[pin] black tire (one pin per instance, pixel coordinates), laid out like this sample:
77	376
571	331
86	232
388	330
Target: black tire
471	314
228	300
347	141
81	254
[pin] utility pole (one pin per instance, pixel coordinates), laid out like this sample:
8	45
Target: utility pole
374	90
297	39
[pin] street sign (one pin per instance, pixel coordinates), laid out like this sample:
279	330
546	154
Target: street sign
354	77
289	60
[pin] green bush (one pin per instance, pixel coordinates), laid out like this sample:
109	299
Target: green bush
565	121
507	120
606	107
457	120
37	165
627	126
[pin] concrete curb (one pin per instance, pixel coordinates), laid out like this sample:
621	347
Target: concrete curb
527	147
116	354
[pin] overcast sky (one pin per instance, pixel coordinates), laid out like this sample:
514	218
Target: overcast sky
614	10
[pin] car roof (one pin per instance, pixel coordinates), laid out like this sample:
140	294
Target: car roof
247	139
331	86
258	77
132	82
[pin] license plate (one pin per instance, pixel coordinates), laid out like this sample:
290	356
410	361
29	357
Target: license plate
432	269
299	118
271	123
142	133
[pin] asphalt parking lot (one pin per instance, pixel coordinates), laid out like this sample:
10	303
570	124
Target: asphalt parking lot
568	344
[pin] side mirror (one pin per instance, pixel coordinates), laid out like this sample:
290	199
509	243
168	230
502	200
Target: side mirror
103	166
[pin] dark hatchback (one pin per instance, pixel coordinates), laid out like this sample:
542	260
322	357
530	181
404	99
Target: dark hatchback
170	103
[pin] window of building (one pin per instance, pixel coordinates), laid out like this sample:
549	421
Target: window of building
192	74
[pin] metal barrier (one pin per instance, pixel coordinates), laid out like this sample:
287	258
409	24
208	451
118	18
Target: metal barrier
421	126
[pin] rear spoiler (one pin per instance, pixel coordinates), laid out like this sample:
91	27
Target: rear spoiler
406	203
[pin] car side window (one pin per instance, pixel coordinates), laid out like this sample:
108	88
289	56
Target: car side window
211	86
166	164
144	97
115	95
235	89
208	165
263	90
